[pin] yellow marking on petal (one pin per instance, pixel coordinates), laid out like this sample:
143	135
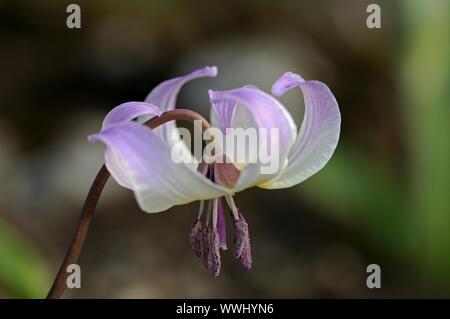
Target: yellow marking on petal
240	166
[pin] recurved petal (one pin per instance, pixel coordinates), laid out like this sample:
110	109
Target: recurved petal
261	112
127	111
165	95
319	132
117	168
157	181
123	113
222	114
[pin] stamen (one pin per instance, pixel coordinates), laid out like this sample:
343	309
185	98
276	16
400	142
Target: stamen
234	210
214	212
208	211
215	243
200	210
206	247
242	249
195	237
241	229
227	200
246	256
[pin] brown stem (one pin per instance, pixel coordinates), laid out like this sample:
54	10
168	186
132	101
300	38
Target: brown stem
95	191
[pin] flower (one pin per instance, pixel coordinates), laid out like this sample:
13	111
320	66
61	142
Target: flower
140	158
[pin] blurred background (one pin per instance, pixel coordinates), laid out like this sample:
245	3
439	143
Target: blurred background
383	198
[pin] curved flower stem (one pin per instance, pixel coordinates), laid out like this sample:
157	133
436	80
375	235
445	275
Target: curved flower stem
80	234
95	191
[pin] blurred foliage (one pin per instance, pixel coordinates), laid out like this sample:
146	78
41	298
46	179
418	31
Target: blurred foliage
359	190
426	90
406	215
23	272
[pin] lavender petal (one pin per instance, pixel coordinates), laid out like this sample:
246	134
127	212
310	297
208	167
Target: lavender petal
158	182
123	113
259	110
127	111
319	132
165	95
222	114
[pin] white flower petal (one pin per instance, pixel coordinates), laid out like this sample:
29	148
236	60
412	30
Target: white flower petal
258	110
319	133
127	111
158	182
165	96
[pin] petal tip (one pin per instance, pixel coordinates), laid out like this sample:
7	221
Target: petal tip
286	82
210	71
93	138
214	96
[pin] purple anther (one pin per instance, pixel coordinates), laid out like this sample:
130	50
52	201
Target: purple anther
195	237
215	245
241	232
206	247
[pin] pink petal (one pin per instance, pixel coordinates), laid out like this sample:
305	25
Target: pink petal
165	96
319	132
157	181
257	109
222	114
123	113
127	111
